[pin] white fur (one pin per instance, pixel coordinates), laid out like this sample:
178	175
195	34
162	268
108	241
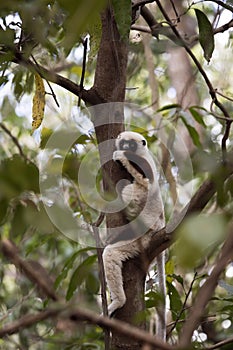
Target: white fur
144	204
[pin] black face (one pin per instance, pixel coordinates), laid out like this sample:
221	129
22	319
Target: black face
128	145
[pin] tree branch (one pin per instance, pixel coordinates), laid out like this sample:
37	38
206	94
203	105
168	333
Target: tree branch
156	28
88	96
28	321
37	274
162	239
212	91
77	315
83	70
220	344
15	141
206	291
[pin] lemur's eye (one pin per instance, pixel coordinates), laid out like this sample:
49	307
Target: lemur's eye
144	142
128	145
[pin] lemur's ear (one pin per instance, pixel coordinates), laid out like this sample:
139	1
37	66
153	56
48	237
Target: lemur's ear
144	142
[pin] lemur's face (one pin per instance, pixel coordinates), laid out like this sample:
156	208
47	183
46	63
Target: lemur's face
132	142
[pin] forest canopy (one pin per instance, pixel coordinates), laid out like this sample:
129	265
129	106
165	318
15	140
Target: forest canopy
73	75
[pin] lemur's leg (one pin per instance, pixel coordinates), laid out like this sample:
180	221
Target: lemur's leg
113	273
113	257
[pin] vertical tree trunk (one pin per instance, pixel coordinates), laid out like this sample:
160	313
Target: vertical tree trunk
109	84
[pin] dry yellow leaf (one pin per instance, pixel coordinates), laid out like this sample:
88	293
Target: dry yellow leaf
38	103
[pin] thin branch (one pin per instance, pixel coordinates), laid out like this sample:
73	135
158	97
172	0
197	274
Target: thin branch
212	91
161	240
206	291
140	28
120	327
224	96
28	320
225	138
103	287
15	141
89	96
220	344
83	70
36	275
216	115
175	11
77	315
184	305
52	92
223	4
138	3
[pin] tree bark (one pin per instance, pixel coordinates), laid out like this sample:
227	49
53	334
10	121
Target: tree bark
109	85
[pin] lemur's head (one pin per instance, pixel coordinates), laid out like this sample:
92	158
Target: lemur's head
132	142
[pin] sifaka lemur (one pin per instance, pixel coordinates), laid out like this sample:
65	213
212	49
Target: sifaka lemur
144	210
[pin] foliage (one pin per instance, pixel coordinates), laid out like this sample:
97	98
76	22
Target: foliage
49	34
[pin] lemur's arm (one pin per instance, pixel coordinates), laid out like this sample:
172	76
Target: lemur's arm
137	167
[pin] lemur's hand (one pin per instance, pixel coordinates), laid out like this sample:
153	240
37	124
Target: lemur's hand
118	155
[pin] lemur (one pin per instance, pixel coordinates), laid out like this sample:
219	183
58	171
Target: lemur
144	210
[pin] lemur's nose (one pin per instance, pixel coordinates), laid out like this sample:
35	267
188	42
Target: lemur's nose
125	145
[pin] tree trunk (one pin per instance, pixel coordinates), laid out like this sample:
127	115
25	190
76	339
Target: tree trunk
109	84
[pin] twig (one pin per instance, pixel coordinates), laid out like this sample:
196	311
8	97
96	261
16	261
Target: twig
161	240
138	3
95	227
224	96
225	138
175	11
212	91
29	320
83	70
11	252
223	4
14	139
51	89
216	115
206	291
183	306
140	28
77	315
220	344
88	96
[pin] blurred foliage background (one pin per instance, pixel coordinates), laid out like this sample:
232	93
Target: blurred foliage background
166	85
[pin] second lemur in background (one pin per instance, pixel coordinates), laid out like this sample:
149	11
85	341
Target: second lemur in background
144	210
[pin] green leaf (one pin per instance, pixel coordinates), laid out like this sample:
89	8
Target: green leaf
175	301
123	16
167	107
3	209
3	80
79	14
28	215
192	132
79	275
7	37
206	35
71	166
92	283
197	116
199	235
153	299
17	176
45	135
69	265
